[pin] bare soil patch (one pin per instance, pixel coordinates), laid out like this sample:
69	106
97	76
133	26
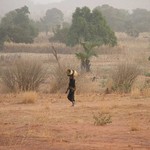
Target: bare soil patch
52	124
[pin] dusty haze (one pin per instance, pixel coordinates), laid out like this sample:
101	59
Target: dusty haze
68	6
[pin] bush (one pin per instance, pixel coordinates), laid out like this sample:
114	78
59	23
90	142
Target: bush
124	77
60	80
24	75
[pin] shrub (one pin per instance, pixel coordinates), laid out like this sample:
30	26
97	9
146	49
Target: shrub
124	76
24	75
60	80
102	119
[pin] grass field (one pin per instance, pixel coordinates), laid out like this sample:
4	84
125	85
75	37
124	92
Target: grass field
45	120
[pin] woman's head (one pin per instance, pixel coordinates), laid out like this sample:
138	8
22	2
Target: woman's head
71	72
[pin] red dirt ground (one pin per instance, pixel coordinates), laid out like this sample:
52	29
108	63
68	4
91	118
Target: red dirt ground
52	124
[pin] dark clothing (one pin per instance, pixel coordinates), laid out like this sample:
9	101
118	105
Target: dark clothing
72	83
71	95
71	90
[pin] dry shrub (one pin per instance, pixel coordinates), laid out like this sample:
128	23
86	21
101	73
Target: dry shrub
141	87
24	75
60	80
124	76
146	88
146	92
29	97
102	119
135	93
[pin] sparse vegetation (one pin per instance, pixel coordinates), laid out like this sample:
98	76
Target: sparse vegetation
36	114
29	97
124	76
17	27
85	56
24	75
52	19
102	119
60	80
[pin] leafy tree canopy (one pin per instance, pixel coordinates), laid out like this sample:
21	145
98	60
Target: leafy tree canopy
86	55
90	27
121	20
116	18
140	18
17	27
52	18
60	35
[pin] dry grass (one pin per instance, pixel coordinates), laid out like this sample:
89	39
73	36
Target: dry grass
128	50
102	119
24	75
29	97
124	76
52	122
135	93
38	48
146	92
141	87
59	78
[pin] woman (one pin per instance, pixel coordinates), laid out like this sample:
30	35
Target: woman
71	87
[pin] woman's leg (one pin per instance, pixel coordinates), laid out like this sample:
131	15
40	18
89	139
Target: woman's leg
71	97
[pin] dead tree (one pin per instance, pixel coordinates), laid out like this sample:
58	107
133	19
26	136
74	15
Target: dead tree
54	52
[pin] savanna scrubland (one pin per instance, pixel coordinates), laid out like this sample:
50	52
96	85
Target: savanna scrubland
106	115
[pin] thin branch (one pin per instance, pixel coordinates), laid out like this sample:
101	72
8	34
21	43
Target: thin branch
55	55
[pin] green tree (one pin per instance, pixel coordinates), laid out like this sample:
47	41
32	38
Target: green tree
17	27
86	55
60	35
2	39
90	27
52	18
121	20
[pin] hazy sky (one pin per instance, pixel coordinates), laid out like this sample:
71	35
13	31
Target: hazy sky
45	1
125	4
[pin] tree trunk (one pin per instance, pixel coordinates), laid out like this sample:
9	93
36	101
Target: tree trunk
82	65
87	65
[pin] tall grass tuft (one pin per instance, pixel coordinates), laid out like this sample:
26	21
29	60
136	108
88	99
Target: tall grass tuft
60	80
124	76
24	75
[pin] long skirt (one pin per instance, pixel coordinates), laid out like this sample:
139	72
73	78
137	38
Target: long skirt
71	95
